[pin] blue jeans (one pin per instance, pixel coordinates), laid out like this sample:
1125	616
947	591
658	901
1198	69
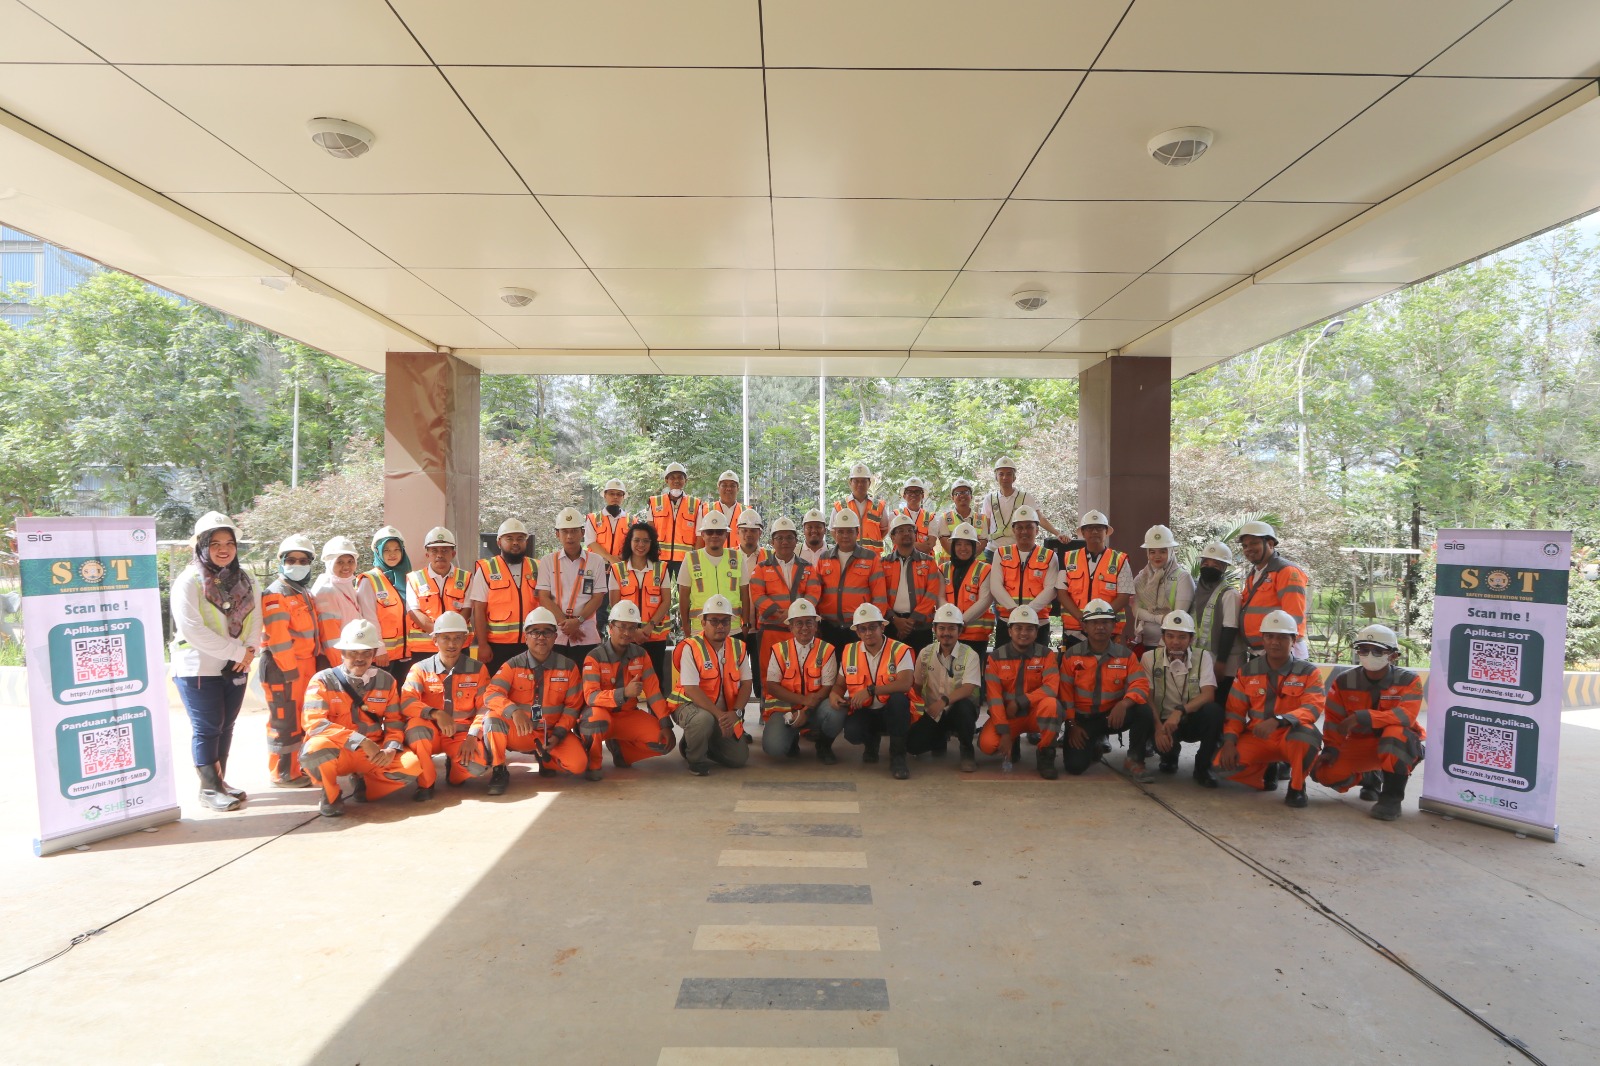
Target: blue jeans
777	735
213	703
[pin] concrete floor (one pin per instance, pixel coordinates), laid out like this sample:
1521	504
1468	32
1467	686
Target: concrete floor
981	918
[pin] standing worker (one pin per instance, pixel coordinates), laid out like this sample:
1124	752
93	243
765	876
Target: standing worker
641	579
1092	572
777	582
606	531
1272	714
293	650
712	687
676	517
438	587
870	513
443	701
1273	584
534	705
948	682
1105	691
727	501
874	687
814	525
573	586
340	598
914	585
1216	615
848	575
504	588
706	572
1372	734
1160	588
387	580
1000	507
1183	696
617	680
913	494
1022	687
750	552
799	686
216	623
966	580
960	511
1023	573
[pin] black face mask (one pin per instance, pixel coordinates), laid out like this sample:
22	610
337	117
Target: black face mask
1210	575
613	509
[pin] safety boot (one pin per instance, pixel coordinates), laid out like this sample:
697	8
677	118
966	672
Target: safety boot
1044	758
1269	778
358	789
300	780
869	748
212	797
422	795
331	808
897	758
825	753
969	758
222	775
1387	809
1296	797
592	774
1371	783
615	748
499	781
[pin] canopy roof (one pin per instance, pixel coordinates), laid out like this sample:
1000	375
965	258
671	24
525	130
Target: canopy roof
795	186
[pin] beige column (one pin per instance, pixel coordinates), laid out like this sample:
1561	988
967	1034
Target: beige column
430	450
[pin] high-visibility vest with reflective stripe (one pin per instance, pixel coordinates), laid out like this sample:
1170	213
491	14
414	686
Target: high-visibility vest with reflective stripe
509	600
926	580
1295	693
675	522
553	689
1015	673
329	712
922	518
1000	528
1388	708
801	674
391	611
1083	586
733	510
291	632
1024	578
431	605
849	581
871	513
854	668
968	593
1208	623
1281	586
215	620
710	577
1158	678
647	593
1093	684
607	672
771	595
429	687
950	519
611	533
719	678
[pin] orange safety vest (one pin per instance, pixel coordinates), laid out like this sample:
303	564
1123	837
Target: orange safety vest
391	611
732	510
647	593
431	605
607	671
926	580
509	601
1024	578
1095	683
1280	587
802	674
771	597
553	688
1016	674
968	593
720	685
675	524
853	668
291	632
428	684
846	583
1296	694
873	525
1084	585
330	712
611	533
921	518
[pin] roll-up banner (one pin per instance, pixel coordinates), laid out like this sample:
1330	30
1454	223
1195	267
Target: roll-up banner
97	683
1495	688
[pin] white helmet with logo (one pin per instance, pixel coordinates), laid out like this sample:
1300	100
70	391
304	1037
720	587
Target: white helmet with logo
1005	464
716	605
450	622
544	616
1258	529
675	468
860	470
1096	609
900	521
1024	514
783	524
386	533
614	486
1159	537
1380	635
844	518
1280	622
750	518
713	520
1178	622
624	611
1217	551
296	542
948	614
960	483
965	531
865	614
359	635
336	547
728	475
1094	518
214	520
1022	615
439	535
512	525
569	518
801	608
813	515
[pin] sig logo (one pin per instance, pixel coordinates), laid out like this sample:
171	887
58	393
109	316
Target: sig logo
1452	546
39	538
1466	795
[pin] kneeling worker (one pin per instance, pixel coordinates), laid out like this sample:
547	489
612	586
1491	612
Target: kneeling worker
1022	686
353	724
947	681
443	702
1370	735
800	677
1106	691
1183	694
1272	714
712	688
874	686
534	703
617	675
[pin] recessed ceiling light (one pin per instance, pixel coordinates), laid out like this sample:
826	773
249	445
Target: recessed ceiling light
340	139
1030	299
1180	147
517	297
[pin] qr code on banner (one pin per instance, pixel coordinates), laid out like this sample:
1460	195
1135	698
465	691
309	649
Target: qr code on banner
1494	663
106	751
1491	746
99	659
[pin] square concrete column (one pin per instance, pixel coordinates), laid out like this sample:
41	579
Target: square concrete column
430	449
1125	446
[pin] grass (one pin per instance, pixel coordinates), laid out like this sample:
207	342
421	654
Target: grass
11	654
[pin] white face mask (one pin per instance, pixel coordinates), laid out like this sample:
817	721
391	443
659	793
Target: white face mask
297	572
675	493
1374	661
356	674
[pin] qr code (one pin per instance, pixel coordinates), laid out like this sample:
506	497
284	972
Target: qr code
1491	746
99	659
105	751
1494	663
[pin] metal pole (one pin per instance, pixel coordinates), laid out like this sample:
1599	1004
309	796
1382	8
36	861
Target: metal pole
822	443
746	415
294	431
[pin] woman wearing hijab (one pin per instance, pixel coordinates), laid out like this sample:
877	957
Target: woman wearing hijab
387	582
1160	588
340	600
216	618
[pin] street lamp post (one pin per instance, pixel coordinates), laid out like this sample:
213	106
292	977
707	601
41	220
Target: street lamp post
1300	386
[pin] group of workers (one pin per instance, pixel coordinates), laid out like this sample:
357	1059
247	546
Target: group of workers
884	632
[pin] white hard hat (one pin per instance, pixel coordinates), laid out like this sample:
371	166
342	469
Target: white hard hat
1098	609
844	518
783	524
1005	464
801	609
960	483
750	519
1024	514
614	486
867	612
569	518
1280	622
1381	635
336	547
1159	537
1178	622
625	611
948	613
212	520
901	520
544	616
675	468
1217	550
913	483
450	622
386	533
1094	518
728	475
1022	615
1257	529
964	531
713	520
360	635
296	542
860	470
514	525
439	535
813	515
716	605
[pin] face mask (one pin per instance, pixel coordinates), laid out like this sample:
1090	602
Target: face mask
1210	575
675	493
298	572
355	674
1374	661
613	509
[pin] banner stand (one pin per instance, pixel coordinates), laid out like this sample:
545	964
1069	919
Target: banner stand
97	833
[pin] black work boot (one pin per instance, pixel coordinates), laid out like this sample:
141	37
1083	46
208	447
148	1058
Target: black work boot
897	758
1045	759
1169	761
1269	778
422	795
869	748
1387	809
212	797
969	758
331	808
794	747
499	781
1296	797
1371	783
825	753
617	760
222	775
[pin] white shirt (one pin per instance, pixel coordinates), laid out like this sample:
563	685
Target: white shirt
811	555
478	587
991	520
747	564
905	663
902	595
940	528
1178	677
571	583
208	651
830	669
689	673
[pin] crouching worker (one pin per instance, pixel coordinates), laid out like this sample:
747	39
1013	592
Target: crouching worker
534	703
443	699
1105	691
617	678
947	681
1370	734
800	677
353	724
1272	714
874	686
1183	695
1022	685
713	673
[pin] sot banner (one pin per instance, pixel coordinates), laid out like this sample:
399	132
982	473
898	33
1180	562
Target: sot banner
1494	693
97	683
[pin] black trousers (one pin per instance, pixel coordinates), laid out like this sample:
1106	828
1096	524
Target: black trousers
916	640
500	654
892	720
1139	721
982	648
399	668
659	660
836	635
752	647
960	720
1203	727
578	653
